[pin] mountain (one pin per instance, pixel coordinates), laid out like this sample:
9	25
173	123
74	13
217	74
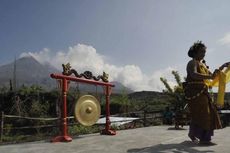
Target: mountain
30	72
90	88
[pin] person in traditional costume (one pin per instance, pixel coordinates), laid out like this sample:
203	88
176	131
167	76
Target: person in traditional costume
204	115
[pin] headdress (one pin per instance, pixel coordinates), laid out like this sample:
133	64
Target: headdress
195	47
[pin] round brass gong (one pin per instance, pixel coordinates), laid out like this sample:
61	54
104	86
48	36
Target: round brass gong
87	110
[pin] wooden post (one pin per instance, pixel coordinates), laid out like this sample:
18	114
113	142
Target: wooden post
108	130
2	125
144	118
64	137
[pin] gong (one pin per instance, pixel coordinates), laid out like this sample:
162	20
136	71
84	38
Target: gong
87	110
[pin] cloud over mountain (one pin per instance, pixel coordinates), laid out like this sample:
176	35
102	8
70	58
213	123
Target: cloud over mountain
83	57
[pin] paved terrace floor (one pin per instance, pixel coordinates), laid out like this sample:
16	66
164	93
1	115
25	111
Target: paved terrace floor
155	139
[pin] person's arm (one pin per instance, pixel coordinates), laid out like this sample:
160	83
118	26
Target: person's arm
224	65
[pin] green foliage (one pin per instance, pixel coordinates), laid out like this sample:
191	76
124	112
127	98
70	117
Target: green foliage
80	129
38	109
149	101
167	86
177	78
115	127
8	128
177	92
24	90
33	101
4	89
121	102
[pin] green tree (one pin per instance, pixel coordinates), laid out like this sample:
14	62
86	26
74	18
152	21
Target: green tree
176	92
122	101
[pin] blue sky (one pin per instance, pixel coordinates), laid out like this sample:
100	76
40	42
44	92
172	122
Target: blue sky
135	41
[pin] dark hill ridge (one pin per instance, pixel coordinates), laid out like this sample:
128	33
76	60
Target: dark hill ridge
151	100
30	72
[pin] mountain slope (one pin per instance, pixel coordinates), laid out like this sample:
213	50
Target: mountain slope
30	72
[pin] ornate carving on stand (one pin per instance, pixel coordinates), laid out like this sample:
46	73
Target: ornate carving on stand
87	74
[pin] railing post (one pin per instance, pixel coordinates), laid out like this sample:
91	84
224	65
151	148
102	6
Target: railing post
2	126
144	118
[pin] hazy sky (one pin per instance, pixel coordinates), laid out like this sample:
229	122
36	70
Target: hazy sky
135	41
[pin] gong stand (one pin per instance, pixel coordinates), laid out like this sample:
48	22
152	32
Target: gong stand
88	78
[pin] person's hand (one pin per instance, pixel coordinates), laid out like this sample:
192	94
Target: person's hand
215	73
224	65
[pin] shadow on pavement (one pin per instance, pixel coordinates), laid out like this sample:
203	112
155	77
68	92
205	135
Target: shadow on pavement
184	147
173	128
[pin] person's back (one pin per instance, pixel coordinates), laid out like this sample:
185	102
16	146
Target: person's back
168	116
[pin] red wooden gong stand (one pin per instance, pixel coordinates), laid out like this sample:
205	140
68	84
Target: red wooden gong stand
64	137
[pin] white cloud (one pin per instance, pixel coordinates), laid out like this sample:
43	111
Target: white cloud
83	57
225	40
42	56
165	73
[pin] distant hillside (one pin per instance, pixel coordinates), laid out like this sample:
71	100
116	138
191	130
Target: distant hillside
150	100
30	72
119	88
